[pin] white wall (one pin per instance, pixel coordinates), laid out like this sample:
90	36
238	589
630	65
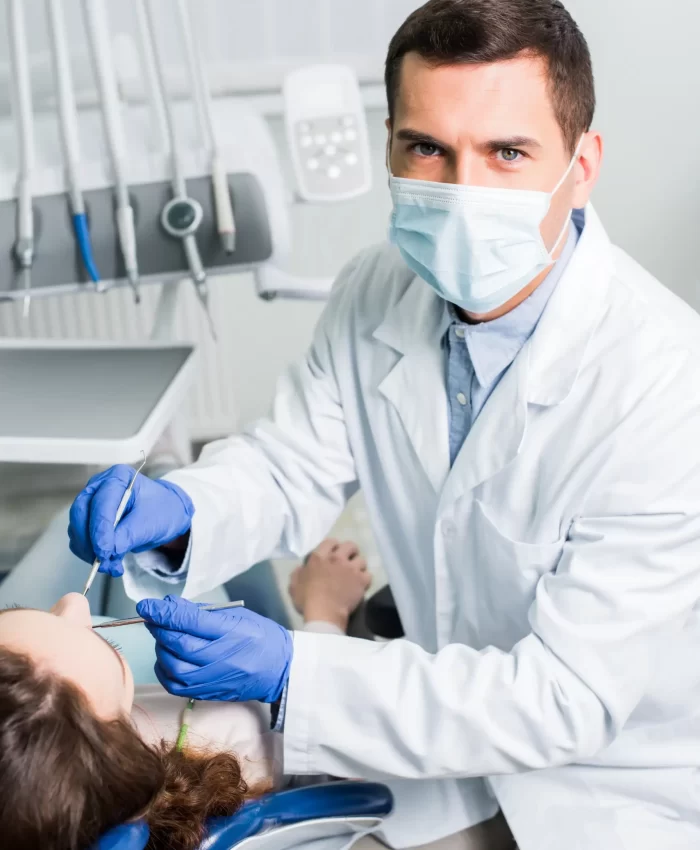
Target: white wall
645	55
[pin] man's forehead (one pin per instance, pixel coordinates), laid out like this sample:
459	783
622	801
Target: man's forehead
520	84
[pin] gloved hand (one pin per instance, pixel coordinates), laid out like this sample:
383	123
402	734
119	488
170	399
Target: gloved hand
157	512
129	836
231	655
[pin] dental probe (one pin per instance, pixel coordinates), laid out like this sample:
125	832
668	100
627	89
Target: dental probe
24	246
182	215
101	47
132	621
225	220
68	122
120	514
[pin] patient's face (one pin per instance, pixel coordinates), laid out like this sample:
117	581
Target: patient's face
63	641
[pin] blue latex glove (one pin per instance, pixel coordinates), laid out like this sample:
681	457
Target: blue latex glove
232	655
157	512
130	836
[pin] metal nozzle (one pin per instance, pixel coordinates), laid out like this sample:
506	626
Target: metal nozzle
24	251
26	275
228	241
133	278
203	295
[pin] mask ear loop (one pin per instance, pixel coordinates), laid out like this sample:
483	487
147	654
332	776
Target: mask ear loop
568	171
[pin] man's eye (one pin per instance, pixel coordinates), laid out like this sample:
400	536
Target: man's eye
425	149
510	155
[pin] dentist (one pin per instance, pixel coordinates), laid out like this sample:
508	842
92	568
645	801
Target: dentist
518	401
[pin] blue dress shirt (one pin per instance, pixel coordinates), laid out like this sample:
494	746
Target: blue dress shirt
477	356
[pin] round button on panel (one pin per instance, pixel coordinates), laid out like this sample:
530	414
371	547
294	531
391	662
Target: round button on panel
350	135
306	141
351	159
181	215
330	150
312	165
320	139
333	172
336	137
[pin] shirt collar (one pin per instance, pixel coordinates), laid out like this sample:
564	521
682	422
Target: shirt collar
493	346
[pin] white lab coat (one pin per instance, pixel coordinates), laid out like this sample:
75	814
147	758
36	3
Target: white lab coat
548	583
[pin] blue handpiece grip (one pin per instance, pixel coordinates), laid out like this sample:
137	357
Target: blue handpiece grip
82	236
333	799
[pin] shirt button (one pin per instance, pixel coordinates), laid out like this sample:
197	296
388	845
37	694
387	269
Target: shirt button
448	528
462	399
459	332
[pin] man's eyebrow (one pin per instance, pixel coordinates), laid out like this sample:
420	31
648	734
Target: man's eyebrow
409	135
512	142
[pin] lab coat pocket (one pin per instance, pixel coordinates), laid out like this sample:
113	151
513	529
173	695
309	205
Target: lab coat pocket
504	574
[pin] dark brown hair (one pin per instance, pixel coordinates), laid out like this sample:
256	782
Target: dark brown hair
447	32
66	777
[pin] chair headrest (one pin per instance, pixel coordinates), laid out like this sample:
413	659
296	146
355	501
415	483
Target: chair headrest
280	808
129	836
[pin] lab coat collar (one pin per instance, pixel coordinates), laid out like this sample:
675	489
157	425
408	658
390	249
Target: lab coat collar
415	385
557	347
543	373
418	318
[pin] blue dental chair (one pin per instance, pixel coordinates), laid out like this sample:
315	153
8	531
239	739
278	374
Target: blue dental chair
330	816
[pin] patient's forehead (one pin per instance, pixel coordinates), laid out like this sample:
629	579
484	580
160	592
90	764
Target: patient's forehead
70	650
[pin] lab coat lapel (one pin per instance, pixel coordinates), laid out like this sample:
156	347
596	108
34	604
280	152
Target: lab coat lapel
558	346
415	385
545	371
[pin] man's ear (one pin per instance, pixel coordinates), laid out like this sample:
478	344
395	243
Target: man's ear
590	160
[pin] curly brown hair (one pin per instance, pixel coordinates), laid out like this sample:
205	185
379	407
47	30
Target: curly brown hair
66	776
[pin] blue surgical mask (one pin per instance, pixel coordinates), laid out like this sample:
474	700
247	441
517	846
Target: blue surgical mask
477	247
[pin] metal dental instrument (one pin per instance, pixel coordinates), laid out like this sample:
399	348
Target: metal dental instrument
120	514
68	121
225	220
103	61
132	621
182	215
24	246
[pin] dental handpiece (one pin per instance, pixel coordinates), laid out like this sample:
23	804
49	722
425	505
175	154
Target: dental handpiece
132	621
101	48
182	215
19	61
68	125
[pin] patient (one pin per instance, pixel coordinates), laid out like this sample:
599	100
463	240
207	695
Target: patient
83	750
